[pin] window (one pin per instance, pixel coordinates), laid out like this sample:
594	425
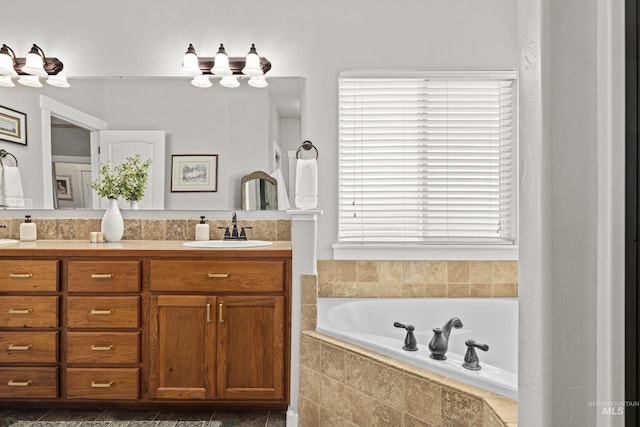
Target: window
428	159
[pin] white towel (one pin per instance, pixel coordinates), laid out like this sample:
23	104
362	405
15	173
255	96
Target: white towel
306	184
283	198
13	194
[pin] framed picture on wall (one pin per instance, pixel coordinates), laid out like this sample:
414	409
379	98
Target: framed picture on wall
63	187
194	172
13	126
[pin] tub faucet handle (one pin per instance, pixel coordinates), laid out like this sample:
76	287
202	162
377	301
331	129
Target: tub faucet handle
410	343
471	360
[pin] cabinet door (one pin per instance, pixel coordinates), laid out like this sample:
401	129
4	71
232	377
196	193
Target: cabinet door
182	339
251	359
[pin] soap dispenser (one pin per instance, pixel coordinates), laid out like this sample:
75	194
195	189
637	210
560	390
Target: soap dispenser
28	232
202	230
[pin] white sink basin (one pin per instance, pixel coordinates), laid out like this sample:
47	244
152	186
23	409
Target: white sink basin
3	241
227	244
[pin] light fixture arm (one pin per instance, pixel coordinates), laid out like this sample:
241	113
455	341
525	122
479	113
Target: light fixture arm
6	49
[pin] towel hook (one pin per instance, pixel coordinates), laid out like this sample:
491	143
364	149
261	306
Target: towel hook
4	153
307	145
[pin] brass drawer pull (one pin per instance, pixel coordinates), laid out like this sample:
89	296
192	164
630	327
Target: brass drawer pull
101	312
102	276
19	347
220	319
13	383
20	310
101	347
208	312
101	385
218	275
20	275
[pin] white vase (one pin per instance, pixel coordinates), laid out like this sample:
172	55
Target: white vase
112	225
133	204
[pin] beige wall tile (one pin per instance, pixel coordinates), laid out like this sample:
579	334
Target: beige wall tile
410	290
489	418
153	229
480	272
411	421
358	372
385	416
283	227
132	229
45	229
423	399
345	271
461	409
332	362
325	290
176	229
504	272
345	290
309	289
413	273
367	271
358	407
308	317
367	290
326	273
458	290
389	290
332	395
309	413
310	384
435	290
436	271
390	272
330	418
262	229
505	409
457	272
310	349
481	290
504	290
389	385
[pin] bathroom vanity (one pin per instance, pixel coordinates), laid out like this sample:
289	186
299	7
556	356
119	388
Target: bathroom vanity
144	323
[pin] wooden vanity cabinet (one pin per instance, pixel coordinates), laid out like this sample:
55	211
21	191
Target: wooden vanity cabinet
144	328
228	344
29	329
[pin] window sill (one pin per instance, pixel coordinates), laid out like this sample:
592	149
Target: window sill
410	252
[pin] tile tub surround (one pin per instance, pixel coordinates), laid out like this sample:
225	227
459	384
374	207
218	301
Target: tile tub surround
343	384
144	229
417	279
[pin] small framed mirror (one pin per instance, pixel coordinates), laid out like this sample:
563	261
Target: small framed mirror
259	192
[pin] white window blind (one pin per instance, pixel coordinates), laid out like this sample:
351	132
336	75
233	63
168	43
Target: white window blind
427	160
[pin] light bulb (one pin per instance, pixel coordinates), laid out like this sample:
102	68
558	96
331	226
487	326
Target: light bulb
229	81
190	65
31	81
201	81
258	81
5	81
221	63
252	63
58	81
35	63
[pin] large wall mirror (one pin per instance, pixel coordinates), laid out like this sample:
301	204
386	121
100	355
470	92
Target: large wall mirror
248	129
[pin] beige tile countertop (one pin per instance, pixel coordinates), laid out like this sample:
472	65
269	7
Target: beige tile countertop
138	248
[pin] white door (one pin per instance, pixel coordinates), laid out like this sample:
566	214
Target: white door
117	145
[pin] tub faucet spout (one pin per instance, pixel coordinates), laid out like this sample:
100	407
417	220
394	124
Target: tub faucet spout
439	344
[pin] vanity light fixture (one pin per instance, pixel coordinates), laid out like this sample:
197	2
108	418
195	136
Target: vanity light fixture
201	81
225	67
36	64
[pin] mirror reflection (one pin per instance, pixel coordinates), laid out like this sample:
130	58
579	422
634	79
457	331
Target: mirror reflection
259	192
248	129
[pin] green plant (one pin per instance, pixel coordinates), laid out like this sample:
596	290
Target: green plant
127	179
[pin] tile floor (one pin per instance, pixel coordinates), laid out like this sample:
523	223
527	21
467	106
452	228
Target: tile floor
119	418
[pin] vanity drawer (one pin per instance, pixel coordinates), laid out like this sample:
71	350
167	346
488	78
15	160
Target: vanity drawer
217	276
102	347
31	346
103	276
102	383
36	383
28	312
103	312
24	275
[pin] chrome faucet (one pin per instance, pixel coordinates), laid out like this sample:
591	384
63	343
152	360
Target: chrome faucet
234	234
439	344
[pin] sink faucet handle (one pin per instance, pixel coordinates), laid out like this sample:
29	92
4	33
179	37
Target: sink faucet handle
243	234
471	360
226	231
410	342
